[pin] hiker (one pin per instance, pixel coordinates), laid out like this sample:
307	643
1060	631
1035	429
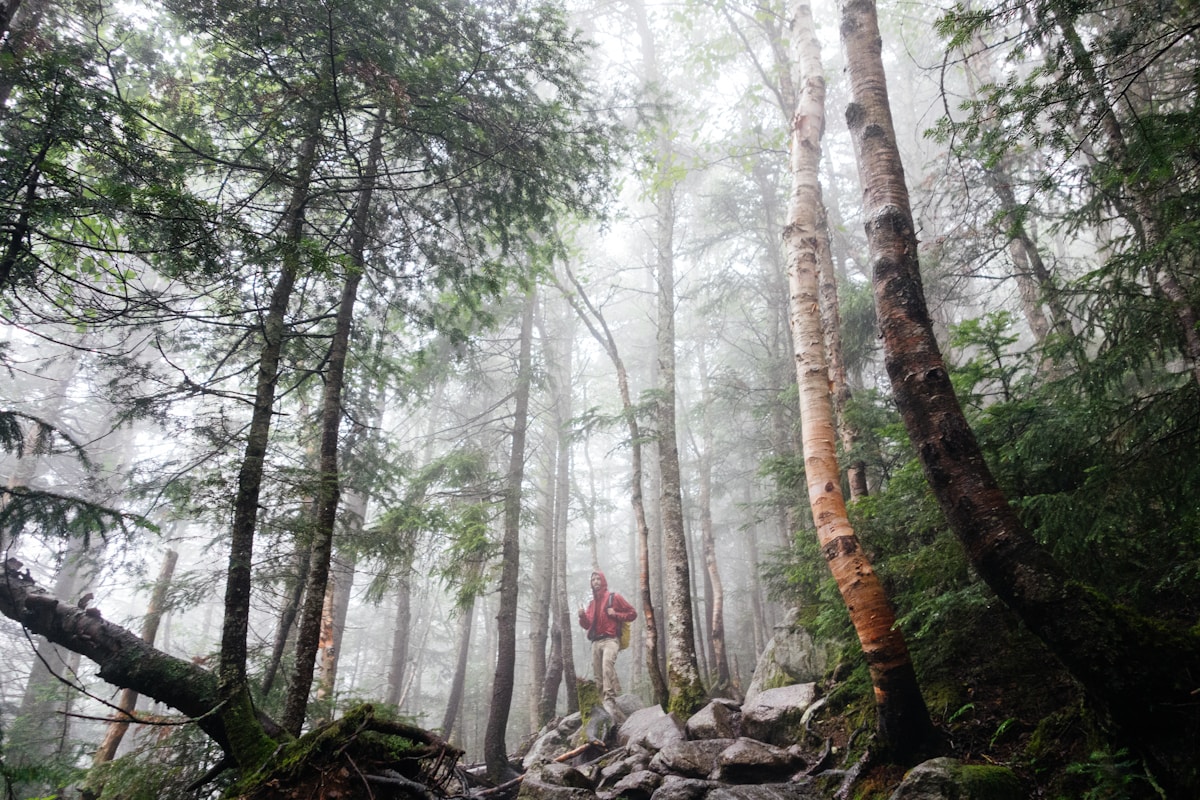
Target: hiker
603	619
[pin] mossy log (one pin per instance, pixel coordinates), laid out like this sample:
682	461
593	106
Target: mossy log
360	755
125	660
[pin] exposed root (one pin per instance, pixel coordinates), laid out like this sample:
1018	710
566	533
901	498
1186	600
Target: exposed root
853	774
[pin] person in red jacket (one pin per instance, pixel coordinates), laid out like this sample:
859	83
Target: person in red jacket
602	620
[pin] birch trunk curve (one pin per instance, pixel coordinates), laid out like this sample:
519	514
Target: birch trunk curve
904	728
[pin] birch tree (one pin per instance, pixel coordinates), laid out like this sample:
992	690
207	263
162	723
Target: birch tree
905	730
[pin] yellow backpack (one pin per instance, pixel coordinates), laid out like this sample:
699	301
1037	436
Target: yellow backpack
624	633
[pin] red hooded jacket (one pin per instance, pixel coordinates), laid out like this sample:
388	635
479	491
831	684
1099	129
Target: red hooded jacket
601	625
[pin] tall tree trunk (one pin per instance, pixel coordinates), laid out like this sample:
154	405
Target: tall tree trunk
400	636
684	688
715	589
905	730
560	366
232	665
1138	674
494	749
542	574
328	479
781	369
107	750
458	684
596	324
337	608
848	433
761	631
293	594
789	94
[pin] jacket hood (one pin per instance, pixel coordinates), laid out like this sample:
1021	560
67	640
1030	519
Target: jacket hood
603	583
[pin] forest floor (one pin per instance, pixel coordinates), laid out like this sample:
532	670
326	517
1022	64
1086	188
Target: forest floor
1004	700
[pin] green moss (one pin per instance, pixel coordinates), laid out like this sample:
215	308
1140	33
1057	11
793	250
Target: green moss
686	698
589	697
988	782
777	680
249	743
286	763
948	700
386	747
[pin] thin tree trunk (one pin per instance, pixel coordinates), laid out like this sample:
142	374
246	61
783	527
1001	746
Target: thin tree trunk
294	592
400	636
848	433
495	751
542	573
598	327
715	593
684	688
561	651
337	608
107	750
1140	675
232	665
458	683
328	479
761	628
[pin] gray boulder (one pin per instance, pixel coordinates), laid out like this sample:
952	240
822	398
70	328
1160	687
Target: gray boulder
694	759
599	725
638	785
774	716
556	774
720	719
629	703
799	790
536	787
752	761
676	788
611	773
552	741
791	656
651	728
950	779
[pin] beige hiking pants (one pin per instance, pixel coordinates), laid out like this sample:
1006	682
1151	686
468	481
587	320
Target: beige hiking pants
604	667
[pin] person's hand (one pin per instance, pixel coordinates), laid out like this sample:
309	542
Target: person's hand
610	612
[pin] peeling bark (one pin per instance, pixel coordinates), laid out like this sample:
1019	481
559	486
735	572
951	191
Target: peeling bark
905	730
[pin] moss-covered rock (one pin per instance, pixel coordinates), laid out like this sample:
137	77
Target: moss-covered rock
949	779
